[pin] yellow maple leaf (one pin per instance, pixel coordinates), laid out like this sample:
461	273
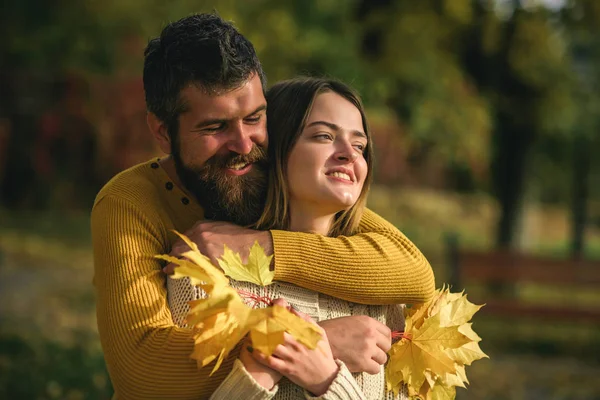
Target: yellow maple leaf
403	357
211	340
467	353
454	379
255	271
222	319
270	323
437	342
197	267
457	312
433	337
467	330
227	300
423	350
266	335
441	392
303	331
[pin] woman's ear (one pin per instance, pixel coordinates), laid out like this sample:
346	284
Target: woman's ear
159	131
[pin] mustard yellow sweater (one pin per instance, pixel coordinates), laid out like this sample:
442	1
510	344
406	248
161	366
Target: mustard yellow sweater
147	355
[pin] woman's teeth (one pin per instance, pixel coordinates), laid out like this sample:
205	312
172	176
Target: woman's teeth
341	175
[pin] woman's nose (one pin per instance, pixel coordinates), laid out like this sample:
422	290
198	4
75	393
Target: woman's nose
346	153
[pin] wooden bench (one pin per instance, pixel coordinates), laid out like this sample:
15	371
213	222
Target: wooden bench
505	269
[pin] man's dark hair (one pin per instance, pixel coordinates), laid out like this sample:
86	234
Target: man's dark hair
201	49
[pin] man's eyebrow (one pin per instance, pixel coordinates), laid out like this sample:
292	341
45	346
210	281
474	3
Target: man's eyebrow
215	121
257	110
208	122
335	127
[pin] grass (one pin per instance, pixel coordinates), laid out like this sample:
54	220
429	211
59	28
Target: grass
49	347
45	369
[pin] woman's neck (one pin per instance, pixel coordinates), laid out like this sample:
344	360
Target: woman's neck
310	219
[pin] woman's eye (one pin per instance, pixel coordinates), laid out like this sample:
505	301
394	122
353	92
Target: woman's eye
324	136
360	147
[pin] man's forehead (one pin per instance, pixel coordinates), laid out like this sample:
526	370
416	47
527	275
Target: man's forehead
248	95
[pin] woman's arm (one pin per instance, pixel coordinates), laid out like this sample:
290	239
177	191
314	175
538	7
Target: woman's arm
377	266
240	384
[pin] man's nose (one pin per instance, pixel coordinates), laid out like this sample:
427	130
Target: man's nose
240	139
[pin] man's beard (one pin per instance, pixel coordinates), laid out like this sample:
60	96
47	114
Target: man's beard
224	197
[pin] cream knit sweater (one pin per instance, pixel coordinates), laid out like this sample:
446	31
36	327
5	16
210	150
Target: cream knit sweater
346	386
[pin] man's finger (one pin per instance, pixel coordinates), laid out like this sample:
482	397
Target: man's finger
372	367
380	357
384	342
383	328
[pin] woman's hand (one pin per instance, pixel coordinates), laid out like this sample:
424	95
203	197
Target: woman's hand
314	370
262	374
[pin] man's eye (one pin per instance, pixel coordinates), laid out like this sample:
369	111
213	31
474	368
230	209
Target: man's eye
253	120
212	128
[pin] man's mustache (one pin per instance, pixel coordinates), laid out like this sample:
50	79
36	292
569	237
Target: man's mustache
257	155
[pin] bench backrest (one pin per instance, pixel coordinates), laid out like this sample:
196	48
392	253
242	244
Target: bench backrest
509	267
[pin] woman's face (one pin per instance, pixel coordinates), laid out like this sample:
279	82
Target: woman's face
326	168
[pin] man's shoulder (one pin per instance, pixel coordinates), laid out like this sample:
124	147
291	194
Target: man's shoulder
137	185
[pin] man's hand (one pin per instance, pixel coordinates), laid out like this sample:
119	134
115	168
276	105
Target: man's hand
210	237
361	342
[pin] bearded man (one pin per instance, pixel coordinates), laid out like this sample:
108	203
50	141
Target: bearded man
206	108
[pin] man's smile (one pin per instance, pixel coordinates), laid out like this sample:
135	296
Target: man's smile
239	169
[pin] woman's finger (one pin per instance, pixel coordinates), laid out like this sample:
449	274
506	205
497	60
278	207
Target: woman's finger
302	315
283	352
280	302
291	343
272	362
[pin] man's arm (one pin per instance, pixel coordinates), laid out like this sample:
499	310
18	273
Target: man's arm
146	354
377	266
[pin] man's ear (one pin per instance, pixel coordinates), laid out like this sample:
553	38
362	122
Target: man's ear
159	131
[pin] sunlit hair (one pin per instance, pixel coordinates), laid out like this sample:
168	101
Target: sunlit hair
289	105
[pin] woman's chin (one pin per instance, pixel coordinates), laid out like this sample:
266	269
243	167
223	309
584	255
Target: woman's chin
342	202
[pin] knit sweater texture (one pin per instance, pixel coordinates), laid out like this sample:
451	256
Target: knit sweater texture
146	353
240	385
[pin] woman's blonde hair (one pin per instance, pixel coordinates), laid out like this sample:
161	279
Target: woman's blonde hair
289	105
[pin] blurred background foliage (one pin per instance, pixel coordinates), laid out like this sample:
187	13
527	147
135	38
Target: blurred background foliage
485	116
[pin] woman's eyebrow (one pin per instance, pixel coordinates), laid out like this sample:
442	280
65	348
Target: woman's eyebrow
335	127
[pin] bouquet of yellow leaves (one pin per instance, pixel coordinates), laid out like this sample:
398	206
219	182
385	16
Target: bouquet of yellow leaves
430	359
437	343
222	319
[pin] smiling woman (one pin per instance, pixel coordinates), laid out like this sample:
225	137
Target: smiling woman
326	169
321	157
